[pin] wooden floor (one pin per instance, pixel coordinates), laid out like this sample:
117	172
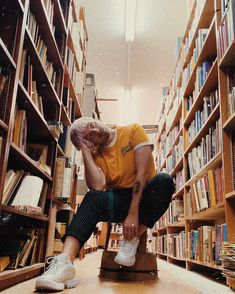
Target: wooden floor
89	282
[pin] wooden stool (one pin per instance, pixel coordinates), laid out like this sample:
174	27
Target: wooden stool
145	267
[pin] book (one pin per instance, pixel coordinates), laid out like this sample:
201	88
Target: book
4	261
27	252
29	191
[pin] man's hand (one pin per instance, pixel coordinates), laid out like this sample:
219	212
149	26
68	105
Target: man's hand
131	226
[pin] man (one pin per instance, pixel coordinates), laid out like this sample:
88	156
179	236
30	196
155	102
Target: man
120	173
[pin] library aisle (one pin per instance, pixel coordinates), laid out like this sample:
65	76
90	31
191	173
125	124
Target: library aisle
172	279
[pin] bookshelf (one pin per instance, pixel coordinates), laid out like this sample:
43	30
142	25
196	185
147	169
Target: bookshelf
196	142
42	76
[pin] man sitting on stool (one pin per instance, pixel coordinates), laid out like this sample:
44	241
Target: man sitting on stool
120	173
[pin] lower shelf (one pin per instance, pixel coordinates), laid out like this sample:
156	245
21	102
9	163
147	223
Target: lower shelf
217	267
231	283
12	277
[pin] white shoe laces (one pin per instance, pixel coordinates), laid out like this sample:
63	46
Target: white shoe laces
128	246
54	264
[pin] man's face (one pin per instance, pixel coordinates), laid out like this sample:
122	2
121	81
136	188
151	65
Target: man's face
97	133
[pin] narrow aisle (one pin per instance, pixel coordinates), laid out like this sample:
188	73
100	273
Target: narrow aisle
170	281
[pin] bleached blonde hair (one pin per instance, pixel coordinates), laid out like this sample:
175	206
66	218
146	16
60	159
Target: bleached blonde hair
78	130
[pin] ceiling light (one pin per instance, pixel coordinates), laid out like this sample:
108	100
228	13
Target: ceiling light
130	20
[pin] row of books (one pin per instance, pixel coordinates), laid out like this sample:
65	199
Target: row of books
68	101
176	154
63	178
77	77
201	117
5	74
231	91
172	136
208	148
179	180
24	191
42	50
173	245
25	248
199	5
205	192
174	213
178	97
227	256
205	243
227	27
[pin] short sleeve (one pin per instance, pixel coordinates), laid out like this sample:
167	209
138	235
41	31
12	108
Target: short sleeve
139	137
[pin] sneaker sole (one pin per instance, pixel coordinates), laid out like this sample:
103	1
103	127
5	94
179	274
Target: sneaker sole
55	286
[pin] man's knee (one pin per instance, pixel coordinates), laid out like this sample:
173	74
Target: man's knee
165	181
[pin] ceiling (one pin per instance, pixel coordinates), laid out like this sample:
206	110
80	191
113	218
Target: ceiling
133	73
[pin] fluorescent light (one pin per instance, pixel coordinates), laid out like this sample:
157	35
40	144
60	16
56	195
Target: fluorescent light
130	20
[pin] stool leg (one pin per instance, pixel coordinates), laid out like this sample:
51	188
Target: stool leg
108	236
143	242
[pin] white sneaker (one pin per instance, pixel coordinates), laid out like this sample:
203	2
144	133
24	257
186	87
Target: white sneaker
59	274
126	254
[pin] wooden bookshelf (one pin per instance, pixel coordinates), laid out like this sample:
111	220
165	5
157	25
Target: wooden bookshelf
214	81
35	62
11	277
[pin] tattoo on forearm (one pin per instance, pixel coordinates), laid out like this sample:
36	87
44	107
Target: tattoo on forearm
137	187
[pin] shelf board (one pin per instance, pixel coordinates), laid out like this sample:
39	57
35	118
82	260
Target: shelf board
209	85
204	21
177	117
53	53
203	131
163	164
83	19
23	213
178	193
177	167
175	141
162	228
162	129
38	123
177	224
71	46
163	254
176	258
231	282
214	212
6	56
212	164
204	264
3	126
23	161
64	117
230	195
11	277
229	125
58	17
208	51
229	56
60	151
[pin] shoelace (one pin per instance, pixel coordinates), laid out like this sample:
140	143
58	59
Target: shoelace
127	246
54	264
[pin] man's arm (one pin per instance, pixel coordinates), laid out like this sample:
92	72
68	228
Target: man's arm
131	224
95	178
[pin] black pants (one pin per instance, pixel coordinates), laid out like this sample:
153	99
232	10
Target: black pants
113	206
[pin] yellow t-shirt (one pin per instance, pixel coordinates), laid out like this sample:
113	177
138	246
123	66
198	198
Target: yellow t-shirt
117	161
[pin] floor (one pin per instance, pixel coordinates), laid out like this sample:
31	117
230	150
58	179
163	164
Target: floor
172	279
